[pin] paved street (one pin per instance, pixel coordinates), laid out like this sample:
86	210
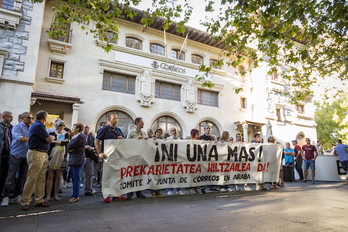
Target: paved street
296	207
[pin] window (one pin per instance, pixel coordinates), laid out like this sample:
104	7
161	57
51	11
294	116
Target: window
165	123
279	116
214	130
135	43
197	59
241	73
300	109
243	103
211	63
109	36
56	69
157	49
124	121
7	4
118	82
176	54
206	97
274	75
168	91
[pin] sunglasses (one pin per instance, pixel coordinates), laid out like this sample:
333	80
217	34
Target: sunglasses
61	125
30	118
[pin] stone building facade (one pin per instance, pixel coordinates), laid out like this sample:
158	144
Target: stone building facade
144	75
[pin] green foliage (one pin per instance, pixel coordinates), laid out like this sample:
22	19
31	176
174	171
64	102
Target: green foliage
332	121
307	38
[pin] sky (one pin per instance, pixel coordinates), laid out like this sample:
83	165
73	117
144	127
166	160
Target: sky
198	12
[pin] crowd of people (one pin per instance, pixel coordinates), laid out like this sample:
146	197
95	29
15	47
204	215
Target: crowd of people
35	159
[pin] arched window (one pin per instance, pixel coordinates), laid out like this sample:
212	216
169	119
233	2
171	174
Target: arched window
214	130
197	59
109	36
176	54
124	120
157	49
135	43
214	63
165	123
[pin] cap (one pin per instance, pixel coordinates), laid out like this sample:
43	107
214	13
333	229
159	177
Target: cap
294	141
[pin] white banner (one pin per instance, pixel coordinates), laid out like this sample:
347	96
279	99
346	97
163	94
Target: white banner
134	165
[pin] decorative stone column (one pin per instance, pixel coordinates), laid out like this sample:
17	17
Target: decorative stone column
245	132
145	87
189	101
75	113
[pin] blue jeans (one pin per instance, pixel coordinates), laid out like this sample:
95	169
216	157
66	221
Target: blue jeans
76	179
345	165
309	163
16	163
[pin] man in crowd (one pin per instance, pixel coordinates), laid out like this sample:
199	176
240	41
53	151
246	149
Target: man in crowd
5	123
319	147
88	168
257	138
309	154
207	137
298	159
137	133
110	131
18	158
37	159
342	151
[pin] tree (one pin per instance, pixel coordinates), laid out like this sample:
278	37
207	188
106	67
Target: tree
332	121
307	38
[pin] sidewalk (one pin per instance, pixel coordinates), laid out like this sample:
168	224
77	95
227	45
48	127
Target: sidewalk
170	212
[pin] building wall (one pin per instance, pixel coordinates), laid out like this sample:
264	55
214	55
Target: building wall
86	61
20	42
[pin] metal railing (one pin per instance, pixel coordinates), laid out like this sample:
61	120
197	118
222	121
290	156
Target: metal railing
66	38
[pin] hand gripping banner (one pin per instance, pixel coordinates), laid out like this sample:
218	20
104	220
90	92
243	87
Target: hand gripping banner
136	164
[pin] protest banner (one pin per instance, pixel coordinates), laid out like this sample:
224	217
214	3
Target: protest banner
136	164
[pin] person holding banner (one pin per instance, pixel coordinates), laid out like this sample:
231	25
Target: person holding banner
137	133
207	137
239	139
110	131
194	136
225	137
173	136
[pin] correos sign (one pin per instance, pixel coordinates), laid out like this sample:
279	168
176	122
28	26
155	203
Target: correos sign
168	67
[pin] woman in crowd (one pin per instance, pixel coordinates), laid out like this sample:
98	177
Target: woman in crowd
76	149
56	158
159	134
195	136
225	137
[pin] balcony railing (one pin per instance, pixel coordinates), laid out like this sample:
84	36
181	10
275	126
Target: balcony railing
66	38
